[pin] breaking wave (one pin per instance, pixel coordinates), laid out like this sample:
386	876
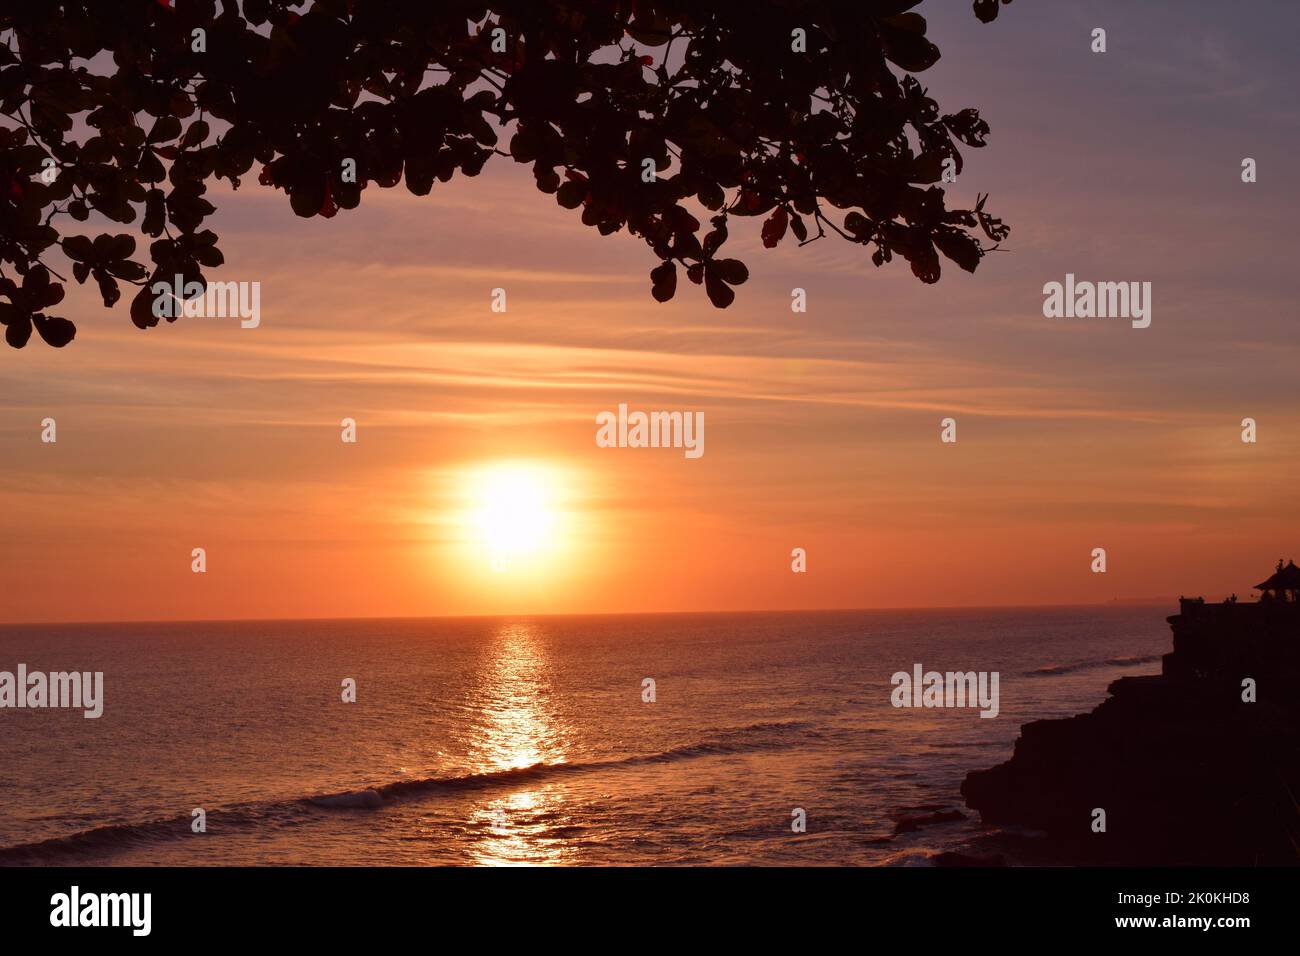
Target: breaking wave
1054	669
119	836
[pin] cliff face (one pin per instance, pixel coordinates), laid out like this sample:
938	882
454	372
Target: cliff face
1186	771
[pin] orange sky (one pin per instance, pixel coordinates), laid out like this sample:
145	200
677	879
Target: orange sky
822	429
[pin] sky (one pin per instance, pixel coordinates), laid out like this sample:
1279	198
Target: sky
822	428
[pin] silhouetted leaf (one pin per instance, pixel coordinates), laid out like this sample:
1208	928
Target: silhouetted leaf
18	330
142	309
959	247
720	294
987	10
54	330
731	271
774	228
663	281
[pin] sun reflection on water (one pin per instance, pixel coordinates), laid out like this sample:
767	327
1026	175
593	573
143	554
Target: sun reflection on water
518	730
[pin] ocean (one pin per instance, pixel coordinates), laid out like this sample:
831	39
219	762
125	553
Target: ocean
528	741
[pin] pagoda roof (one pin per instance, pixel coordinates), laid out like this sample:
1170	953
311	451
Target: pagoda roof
1284	579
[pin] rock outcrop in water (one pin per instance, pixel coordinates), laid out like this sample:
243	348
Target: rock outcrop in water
1187	768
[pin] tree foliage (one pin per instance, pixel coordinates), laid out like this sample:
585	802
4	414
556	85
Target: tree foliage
123	112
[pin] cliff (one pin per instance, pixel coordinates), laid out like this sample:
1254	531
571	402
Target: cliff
1187	771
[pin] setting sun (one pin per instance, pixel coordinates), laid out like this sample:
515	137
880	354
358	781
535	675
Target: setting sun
514	511
514	532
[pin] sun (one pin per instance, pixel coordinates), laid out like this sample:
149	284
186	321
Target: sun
513	511
517	528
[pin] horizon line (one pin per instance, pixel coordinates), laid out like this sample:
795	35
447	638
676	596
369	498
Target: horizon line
1114	602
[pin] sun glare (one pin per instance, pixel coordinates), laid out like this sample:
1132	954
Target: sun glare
520	528
513	511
